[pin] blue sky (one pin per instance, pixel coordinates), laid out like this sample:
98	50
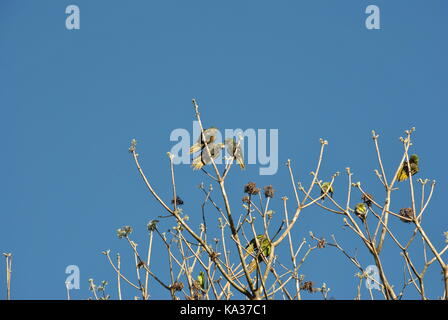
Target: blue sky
71	101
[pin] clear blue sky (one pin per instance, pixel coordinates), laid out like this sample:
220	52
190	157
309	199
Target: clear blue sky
72	100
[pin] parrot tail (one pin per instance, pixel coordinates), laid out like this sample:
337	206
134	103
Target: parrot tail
197	163
252	266
241	163
195	148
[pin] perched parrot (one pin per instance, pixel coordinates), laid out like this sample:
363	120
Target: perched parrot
203	158
235	151
202	280
252	248
403	173
361	210
210	137
326	187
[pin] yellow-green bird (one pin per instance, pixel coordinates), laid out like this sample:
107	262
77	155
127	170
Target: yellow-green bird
209	137
202	280
203	159
361	210
235	151
326	188
403	173
253	249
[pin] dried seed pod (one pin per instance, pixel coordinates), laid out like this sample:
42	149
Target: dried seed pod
367	199
321	243
308	286
269	191
179	201
177	286
407	213
251	188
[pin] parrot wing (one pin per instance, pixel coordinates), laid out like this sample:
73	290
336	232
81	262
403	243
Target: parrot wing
414	168
209	135
235	151
203	158
403	172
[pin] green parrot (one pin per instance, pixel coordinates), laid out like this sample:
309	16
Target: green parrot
252	248
210	137
203	158
403	173
202	281
361	210
235	151
326	187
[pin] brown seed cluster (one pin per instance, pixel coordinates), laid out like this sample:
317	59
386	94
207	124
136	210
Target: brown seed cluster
308	286
214	256
269	191
177	286
367	199
321	243
124	232
407	213
179	201
251	188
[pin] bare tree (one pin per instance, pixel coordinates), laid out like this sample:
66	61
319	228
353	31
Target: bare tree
244	258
